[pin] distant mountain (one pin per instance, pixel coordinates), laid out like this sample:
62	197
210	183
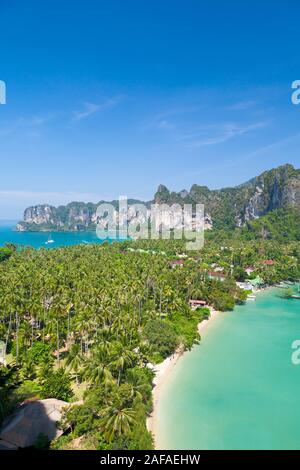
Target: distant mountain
233	207
278	188
76	216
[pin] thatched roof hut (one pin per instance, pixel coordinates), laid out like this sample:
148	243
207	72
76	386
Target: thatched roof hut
32	419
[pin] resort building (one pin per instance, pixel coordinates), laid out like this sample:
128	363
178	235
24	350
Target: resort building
216	268
250	270
176	263
194	304
257	282
217	276
245	285
31	419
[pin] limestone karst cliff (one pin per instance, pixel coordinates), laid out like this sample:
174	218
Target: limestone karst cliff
229	207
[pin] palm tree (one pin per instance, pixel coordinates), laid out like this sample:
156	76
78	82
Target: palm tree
125	358
117	422
74	359
97	369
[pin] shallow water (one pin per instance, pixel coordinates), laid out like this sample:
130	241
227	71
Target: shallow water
239	388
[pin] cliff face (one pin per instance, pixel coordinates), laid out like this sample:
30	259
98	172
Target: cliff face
75	216
229	207
275	189
38	216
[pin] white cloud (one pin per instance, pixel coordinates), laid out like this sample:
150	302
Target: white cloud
164	124
91	108
162	121
273	145
25	123
216	134
26	198
243	105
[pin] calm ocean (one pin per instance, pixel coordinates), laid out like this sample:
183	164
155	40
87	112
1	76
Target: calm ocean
238	389
39	239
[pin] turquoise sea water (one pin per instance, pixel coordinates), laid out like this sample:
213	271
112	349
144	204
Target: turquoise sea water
39	239
239	388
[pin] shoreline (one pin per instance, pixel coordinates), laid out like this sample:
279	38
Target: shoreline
164	369
162	372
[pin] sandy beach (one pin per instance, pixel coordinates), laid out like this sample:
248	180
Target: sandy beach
162	372
204	324
164	369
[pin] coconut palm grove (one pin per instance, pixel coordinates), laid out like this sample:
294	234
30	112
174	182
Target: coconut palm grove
85	324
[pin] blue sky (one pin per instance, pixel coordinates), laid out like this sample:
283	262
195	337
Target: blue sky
115	97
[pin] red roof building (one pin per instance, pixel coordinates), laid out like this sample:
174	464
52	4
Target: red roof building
176	262
217	276
268	262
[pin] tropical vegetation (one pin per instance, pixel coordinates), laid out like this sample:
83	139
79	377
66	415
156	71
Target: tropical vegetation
85	323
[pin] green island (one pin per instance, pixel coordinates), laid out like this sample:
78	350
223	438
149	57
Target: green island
83	324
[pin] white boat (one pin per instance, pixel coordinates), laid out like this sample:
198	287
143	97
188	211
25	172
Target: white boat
49	241
251	297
